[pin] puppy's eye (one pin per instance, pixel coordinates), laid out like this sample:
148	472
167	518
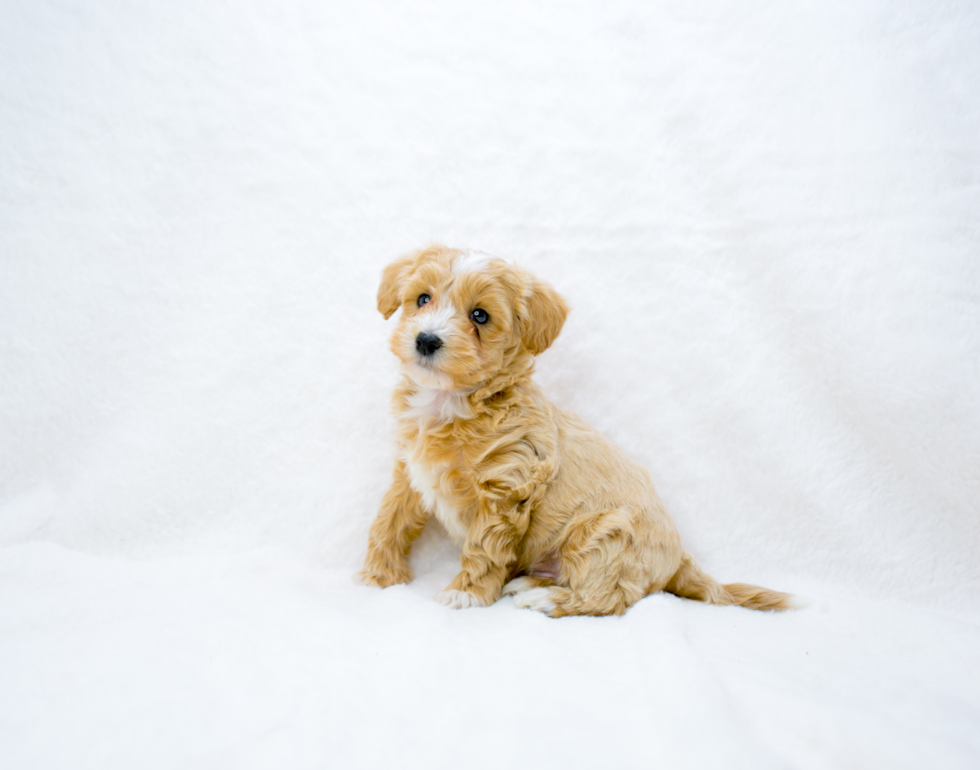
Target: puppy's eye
422	300
480	316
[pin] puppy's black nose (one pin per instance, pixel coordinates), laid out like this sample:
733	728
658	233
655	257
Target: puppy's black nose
427	344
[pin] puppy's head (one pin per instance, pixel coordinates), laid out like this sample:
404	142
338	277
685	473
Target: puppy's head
466	316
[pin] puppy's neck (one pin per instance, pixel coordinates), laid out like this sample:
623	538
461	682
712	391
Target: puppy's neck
436	406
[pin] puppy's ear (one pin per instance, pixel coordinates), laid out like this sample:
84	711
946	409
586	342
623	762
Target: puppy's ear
390	290
543	316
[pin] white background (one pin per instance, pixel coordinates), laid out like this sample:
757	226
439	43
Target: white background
766	218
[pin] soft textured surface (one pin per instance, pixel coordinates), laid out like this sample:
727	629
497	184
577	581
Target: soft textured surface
766	218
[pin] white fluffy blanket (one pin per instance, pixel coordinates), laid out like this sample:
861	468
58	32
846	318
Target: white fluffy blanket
766	218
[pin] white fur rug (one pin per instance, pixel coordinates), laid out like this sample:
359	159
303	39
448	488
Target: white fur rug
766	218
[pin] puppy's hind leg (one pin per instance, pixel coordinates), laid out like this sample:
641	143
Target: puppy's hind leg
526	583
605	568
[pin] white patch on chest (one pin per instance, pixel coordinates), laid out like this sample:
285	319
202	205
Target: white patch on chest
435	405
426	480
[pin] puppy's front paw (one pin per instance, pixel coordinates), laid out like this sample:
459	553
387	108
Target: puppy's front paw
458	600
382	579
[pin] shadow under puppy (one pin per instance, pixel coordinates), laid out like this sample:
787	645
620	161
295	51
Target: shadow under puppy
542	505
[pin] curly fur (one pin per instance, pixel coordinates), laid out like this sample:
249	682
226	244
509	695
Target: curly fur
541	504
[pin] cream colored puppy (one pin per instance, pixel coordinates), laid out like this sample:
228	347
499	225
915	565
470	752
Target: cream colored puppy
541	504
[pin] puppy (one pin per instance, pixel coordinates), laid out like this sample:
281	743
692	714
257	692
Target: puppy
542	506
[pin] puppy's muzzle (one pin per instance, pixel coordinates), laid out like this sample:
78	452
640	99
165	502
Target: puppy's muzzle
427	344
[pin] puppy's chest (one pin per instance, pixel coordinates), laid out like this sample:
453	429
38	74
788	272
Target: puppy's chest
446	489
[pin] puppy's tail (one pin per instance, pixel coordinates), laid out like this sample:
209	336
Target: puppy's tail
691	583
